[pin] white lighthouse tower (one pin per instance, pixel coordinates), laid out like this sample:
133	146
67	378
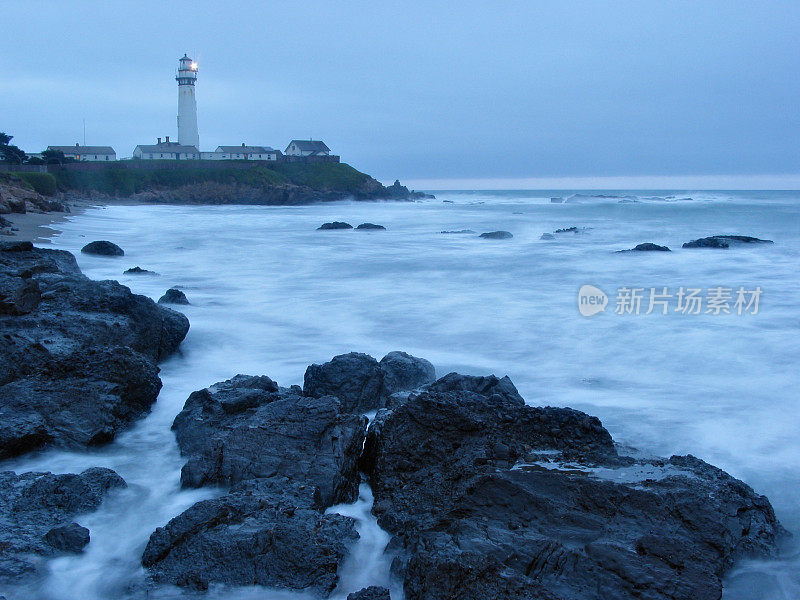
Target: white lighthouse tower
187	104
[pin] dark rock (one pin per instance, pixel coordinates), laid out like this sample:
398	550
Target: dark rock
485	385
78	366
103	248
372	592
458	231
370	226
268	532
36	513
362	383
138	271
68	538
18	295
497	235
724	241
173	296
488	498
396	191
248	428
5	223
567	230
547	236
647	247
556	200
402	372
334	225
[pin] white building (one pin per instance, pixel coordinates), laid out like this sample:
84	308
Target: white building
166	151
242	152
187	103
87	153
307	148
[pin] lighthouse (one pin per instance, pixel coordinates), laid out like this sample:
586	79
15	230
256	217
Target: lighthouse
187	104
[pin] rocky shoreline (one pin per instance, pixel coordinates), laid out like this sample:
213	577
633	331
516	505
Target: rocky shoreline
483	495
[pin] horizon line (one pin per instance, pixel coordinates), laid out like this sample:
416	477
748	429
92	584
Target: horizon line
766	182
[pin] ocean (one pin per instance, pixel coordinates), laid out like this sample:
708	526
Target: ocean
270	295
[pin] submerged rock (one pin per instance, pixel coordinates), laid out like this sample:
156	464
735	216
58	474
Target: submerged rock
37	512
363	384
138	271
647	247
173	296
269	532
372	592
724	241
547	236
370	226
68	538
334	225
497	235
103	248
558	200
78	357
459	230
567	230
489	498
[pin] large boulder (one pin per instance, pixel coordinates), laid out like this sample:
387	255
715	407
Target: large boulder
647	247
724	241
497	235
37	512
249	428
489	498
364	226
103	248
362	383
269	532
334	225
487	385
78	357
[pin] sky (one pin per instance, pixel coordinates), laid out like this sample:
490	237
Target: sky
436	93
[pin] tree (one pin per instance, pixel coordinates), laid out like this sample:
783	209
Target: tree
10	153
54	157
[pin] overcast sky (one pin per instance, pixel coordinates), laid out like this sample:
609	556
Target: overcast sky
427	90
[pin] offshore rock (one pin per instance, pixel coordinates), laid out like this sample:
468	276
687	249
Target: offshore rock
724	241
174	296
103	248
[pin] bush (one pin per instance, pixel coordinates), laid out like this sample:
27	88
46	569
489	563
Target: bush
42	183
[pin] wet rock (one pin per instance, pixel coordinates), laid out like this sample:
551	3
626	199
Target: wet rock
103	248
497	235
459	231
402	372
547	236
173	296
363	384
248	428
269	532
488	386
557	200
138	271
488	498
334	225
567	230
80	365
370	226
724	241
36	513
647	247
68	538
18	295
372	592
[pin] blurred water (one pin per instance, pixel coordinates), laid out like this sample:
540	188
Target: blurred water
270	295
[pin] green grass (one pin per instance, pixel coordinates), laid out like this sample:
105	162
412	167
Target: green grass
42	183
118	180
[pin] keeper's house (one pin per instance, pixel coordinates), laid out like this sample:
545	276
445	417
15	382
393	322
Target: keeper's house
243	152
87	153
166	151
307	148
